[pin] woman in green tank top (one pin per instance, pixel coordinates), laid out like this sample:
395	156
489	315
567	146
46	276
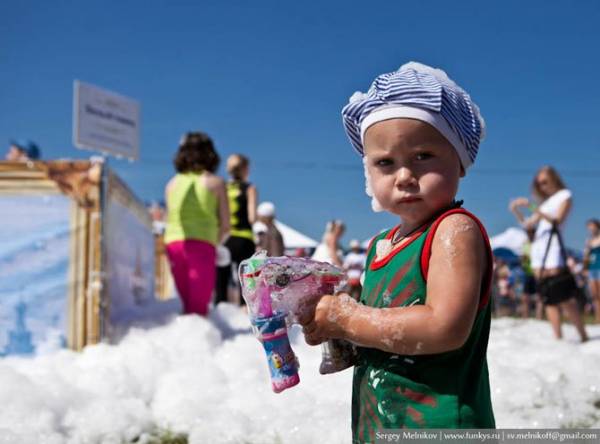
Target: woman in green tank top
423	319
197	220
242	197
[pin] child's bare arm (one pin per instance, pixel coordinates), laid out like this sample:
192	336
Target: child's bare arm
456	268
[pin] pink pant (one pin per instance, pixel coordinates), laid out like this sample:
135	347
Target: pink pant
194	271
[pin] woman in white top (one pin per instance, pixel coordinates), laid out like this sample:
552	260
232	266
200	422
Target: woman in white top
555	203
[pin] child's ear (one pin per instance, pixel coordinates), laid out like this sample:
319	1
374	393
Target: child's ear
462	171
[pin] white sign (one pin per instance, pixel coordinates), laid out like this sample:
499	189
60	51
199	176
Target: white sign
105	121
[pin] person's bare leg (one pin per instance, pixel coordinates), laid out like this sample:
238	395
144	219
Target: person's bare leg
539	307
572	312
503	311
525	305
553	315
595	293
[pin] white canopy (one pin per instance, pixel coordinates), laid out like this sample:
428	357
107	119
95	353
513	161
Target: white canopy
512	238
293	238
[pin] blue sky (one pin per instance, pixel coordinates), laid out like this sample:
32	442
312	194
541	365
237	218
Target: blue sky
268	79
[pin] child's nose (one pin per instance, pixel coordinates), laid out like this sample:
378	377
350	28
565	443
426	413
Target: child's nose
404	177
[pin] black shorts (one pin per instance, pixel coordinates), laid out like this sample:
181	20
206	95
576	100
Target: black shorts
557	298
557	289
241	248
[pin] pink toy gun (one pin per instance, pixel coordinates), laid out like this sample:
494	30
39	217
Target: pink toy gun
276	290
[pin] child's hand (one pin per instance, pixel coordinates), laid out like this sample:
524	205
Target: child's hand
328	319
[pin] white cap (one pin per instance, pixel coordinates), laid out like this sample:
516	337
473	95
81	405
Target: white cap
436	120
354	243
266	209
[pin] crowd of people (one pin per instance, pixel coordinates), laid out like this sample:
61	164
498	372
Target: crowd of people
213	224
212	220
418	305
210	225
426	294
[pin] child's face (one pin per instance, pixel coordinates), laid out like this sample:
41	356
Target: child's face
414	170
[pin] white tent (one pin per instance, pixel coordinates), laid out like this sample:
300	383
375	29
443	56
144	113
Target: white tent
512	238
294	239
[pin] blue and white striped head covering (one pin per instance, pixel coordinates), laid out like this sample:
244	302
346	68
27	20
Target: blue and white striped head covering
417	91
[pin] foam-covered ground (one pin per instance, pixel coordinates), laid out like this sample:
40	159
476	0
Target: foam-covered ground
208	379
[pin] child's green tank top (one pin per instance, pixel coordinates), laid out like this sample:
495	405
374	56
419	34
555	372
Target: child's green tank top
446	390
192	210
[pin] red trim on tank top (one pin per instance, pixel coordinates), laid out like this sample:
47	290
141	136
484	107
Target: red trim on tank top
486	285
378	263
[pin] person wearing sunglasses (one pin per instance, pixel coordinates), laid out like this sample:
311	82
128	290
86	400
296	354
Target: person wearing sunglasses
548	212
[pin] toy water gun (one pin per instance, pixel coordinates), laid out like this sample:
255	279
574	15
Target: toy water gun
277	290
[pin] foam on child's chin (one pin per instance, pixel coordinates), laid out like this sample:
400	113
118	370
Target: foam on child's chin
375	205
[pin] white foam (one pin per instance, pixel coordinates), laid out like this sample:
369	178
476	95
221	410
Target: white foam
208	379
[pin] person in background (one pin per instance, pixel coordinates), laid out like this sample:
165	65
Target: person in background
555	202
329	249
197	220
242	197
300	252
354	265
577	268
592	264
506	299
22	151
268	237
157	213
529	291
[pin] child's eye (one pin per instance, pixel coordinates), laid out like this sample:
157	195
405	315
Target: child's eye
423	156
383	162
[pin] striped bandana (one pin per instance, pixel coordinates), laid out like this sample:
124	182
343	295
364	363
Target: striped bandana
417	91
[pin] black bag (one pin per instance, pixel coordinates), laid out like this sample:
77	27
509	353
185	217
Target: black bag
558	288
562	286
